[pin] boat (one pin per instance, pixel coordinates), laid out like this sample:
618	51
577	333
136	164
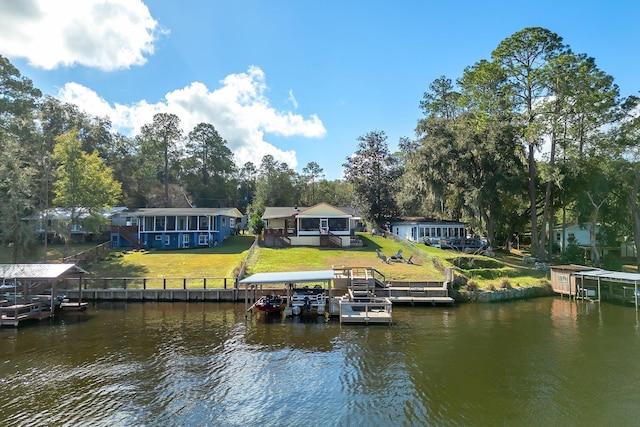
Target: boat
306	300
270	304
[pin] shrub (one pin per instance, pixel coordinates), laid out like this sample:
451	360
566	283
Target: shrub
612	262
472	285
490	287
458	282
504	283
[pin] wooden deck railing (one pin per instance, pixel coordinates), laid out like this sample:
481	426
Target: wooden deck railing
149	283
89	255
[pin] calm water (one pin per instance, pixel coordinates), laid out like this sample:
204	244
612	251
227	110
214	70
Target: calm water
547	361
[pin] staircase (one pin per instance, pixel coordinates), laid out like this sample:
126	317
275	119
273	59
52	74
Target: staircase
128	234
330	240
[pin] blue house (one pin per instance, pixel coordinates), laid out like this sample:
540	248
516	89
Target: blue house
173	228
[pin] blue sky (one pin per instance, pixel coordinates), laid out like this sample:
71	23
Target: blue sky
296	79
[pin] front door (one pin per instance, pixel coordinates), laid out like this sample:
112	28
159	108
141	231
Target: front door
324	226
185	240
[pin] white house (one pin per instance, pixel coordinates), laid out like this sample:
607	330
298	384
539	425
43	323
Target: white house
576	231
318	225
419	229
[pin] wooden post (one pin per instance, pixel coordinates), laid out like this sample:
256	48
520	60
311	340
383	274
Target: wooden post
144	283
184	283
124	283
225	283
164	283
204	283
80	290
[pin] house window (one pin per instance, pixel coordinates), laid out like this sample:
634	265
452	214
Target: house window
309	224
193	223
204	223
167	240
232	222
338	224
148	223
224	221
572	236
160	222
171	223
158	237
203	240
182	223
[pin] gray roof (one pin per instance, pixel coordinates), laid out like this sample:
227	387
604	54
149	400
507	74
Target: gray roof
271	212
613	276
423	220
37	271
231	212
281	212
289	277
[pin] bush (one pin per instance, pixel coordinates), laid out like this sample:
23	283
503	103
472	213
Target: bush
504	283
458	282
472	286
490	287
612	262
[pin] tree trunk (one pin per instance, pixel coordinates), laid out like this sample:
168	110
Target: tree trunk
595	253
532	200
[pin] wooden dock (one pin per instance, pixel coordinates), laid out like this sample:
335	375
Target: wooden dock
367	311
79	306
421	294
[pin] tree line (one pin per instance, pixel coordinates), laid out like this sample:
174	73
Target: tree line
476	153
475	156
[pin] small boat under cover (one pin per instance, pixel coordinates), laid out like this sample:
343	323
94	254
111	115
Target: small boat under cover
270	304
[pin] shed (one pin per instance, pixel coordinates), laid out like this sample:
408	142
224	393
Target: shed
563	279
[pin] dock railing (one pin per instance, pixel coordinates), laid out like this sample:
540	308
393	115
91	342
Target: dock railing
149	283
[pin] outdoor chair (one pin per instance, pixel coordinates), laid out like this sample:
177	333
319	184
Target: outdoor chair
397	256
382	256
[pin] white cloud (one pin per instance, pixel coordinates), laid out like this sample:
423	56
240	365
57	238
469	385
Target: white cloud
293	100
105	34
238	109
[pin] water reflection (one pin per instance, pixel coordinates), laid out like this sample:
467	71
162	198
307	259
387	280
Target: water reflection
539	362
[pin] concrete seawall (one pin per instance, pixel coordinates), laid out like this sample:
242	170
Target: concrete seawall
502	295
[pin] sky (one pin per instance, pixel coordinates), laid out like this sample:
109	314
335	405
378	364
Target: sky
298	80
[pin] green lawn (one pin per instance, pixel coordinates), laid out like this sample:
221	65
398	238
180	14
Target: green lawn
222	261
225	260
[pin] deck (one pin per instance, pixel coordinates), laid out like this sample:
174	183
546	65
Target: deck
421	294
67	306
373	310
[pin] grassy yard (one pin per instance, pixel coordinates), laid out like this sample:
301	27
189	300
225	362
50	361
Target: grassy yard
55	253
224	261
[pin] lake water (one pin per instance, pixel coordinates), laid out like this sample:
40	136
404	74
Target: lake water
547	361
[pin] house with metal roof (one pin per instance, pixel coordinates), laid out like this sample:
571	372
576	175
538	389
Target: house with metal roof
319	225
85	225
421	230
173	228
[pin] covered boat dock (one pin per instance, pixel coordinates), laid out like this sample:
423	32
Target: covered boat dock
595	284
29	291
358	305
254	284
